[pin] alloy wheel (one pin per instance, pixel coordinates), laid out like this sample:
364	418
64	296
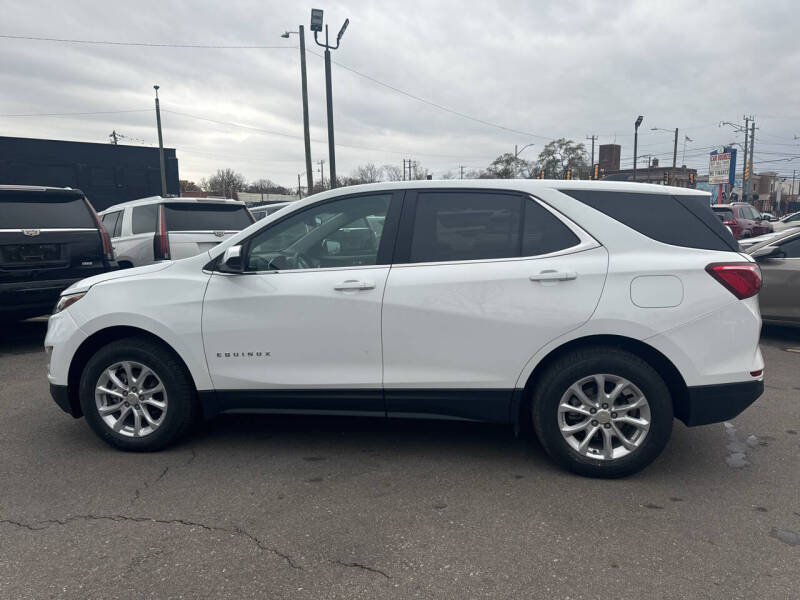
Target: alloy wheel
131	399
604	417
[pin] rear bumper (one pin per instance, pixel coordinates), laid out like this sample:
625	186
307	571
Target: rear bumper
32	296
706	404
60	394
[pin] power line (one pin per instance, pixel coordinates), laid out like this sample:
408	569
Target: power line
141	44
78	114
434	104
298	137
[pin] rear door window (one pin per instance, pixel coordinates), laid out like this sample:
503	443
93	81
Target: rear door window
543	233
453	226
144	218
187	216
678	220
43	210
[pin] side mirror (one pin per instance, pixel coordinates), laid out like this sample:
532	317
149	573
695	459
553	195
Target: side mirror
232	260
768	252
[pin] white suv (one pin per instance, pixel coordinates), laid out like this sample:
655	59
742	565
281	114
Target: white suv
153	229
595	310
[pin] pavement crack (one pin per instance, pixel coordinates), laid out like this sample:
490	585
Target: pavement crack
161	476
236	530
355	565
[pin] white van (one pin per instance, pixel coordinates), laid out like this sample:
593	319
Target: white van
151	229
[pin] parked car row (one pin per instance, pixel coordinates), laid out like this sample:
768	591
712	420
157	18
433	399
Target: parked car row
52	237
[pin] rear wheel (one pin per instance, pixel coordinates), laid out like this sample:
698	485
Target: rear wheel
136	395
602	412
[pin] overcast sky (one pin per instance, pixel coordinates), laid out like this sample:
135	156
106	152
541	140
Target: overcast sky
543	69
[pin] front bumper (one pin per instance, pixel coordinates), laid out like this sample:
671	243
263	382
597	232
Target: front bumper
60	394
706	404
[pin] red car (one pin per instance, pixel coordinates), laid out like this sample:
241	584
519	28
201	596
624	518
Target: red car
744	220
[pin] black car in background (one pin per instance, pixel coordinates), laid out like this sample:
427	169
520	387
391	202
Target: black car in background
49	238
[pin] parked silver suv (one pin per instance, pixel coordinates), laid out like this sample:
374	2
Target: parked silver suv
151	229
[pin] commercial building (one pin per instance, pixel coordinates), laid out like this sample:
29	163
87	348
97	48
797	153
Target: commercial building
107	173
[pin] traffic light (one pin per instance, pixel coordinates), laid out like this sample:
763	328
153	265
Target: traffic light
666	176
747	170
596	172
691	177
569	173
541	174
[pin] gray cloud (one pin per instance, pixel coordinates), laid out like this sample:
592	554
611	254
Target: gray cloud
552	69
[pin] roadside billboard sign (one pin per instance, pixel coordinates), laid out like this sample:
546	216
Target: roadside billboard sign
722	166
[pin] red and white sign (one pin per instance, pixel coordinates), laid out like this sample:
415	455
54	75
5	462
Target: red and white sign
719	168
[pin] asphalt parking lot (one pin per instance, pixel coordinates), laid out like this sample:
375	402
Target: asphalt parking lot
305	507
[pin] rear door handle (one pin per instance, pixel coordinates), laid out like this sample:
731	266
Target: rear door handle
552	275
354	284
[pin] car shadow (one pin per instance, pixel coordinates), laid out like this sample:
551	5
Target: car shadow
20	337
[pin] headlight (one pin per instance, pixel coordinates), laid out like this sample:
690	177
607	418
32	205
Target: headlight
68	300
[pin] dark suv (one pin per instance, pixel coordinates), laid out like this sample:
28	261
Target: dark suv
49	238
742	219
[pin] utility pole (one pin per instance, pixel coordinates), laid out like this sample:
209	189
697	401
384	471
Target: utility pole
321	174
316	27
404	169
675	151
299	189
744	162
160	147
793	194
462	174
593	138
752	145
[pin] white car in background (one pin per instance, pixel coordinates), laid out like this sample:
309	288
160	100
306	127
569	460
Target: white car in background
790	220
598	311
259	212
151	229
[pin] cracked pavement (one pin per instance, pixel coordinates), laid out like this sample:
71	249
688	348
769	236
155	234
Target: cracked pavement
301	507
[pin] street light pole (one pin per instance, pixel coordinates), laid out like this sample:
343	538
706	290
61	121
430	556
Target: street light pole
304	84
160	147
316	27
638	122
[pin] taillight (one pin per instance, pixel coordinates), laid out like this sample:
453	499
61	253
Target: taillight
742	279
160	240
108	251
734	227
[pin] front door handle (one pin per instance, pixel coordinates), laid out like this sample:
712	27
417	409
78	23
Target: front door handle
552	275
354	284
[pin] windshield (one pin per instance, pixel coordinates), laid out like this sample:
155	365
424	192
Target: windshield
187	216
44	211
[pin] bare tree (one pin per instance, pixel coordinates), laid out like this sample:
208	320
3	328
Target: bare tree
224	182
392	173
188	186
367	173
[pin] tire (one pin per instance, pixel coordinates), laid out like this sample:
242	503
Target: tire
597	459
179	396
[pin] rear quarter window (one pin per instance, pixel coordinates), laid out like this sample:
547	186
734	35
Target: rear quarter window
43	210
677	220
206	217
144	218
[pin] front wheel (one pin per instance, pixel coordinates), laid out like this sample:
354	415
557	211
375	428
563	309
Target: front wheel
136	395
602	412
